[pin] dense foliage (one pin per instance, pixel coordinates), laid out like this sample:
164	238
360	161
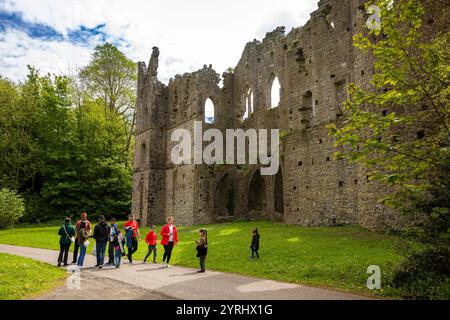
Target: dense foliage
398	129
62	147
11	208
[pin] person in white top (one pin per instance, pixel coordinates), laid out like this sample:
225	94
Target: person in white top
169	240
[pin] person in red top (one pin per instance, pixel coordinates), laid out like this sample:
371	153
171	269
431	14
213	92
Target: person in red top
150	239
131	223
169	239
77	227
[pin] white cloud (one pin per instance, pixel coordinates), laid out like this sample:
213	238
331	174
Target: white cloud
19	50
188	33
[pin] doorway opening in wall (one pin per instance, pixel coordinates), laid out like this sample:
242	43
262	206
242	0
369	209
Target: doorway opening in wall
256	193
274	91
279	198
224	197
248	103
209	111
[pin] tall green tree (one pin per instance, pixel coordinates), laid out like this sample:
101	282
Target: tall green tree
110	81
398	128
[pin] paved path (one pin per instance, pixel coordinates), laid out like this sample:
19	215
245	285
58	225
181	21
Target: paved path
184	283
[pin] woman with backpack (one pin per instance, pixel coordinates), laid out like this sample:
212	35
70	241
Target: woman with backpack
67	236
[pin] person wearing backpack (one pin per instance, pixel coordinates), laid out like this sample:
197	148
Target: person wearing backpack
67	236
83	235
83	218
132	234
117	242
101	239
112	230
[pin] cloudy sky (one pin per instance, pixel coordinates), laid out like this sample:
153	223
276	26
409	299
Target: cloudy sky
58	36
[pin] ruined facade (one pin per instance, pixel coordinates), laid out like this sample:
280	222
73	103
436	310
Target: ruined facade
313	64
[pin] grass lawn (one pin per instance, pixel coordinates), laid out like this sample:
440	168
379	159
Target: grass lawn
22	278
335	257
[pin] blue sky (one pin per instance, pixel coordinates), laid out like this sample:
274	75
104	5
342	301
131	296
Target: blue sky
58	36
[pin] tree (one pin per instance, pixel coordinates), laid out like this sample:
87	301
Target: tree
398	126
11	208
110	80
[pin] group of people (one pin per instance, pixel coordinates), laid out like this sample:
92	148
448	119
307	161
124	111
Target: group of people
109	236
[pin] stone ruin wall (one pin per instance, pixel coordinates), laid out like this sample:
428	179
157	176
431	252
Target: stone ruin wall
313	63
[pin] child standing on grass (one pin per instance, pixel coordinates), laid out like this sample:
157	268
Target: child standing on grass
254	246
202	249
150	239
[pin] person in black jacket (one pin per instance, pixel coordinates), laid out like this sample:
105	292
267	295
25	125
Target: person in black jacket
202	248
254	246
101	239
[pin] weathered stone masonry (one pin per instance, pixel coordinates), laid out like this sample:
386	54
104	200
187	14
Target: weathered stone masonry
313	64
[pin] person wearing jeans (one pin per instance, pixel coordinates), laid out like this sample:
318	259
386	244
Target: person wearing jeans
132	228
150	239
82	237
77	227
112	230
101	239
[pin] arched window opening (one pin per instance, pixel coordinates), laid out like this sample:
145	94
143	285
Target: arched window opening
209	111
275	93
224	198
248	103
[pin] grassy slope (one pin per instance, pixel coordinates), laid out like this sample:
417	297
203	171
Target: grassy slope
332	257
21	277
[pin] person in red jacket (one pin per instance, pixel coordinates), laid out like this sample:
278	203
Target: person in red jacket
169	239
150	239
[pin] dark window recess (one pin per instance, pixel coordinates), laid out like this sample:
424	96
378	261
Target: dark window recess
384	113
341	184
320	141
421	134
356	181
300	163
328	159
294	188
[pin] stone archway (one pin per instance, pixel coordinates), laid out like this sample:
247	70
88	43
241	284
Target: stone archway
257	193
278	192
224	197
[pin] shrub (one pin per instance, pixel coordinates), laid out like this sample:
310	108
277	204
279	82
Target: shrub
11	208
424	275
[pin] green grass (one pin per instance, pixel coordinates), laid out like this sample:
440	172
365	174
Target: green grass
335	257
23	278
